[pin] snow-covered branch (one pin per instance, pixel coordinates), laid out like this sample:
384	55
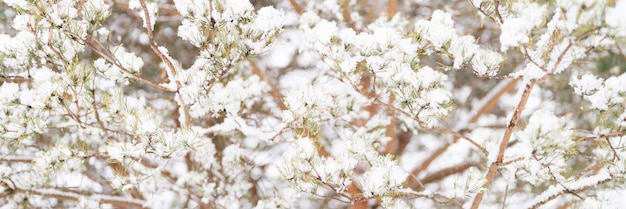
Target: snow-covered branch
312	104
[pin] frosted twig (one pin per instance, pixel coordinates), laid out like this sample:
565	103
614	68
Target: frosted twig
435	128
569	187
123	202
170	69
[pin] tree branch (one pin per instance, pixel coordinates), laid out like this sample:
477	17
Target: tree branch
170	69
123	202
438	175
412	180
436	128
345	12
492	100
505	141
570	187
16	159
296	7
392	7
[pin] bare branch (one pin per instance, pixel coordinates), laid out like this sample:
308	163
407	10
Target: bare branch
505	141
392	7
16	159
296	6
438	175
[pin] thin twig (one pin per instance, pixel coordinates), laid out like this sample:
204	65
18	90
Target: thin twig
108	55
436	128
579	186
433	197
153	45
170	69
497	10
597	166
615	155
95	110
612	134
483	11
512	161
560	58
531	60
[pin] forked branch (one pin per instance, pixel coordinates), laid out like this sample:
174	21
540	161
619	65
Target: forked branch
505	142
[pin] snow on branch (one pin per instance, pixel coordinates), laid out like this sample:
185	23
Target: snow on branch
569	187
